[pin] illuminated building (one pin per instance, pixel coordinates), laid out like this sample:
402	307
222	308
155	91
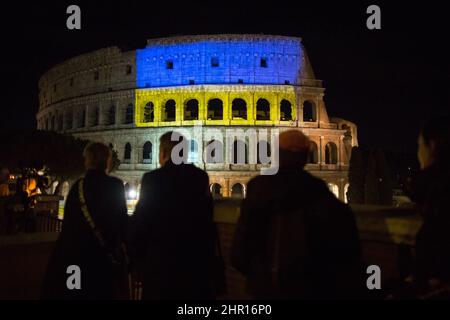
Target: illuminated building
128	99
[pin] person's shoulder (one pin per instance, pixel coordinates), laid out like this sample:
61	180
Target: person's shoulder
113	179
261	179
150	174
187	168
196	170
313	182
153	175
196	173
74	188
116	182
261	182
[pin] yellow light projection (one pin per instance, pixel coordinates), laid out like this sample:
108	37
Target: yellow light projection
216	105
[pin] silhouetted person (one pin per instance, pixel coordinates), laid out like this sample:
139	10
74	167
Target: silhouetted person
431	191
175	230
4	182
294	238
4	194
77	244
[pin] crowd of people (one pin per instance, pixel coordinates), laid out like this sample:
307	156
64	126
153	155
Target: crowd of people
294	239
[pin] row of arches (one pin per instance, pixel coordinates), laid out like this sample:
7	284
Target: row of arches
88	117
330	156
237	190
147	153
239	110
91	116
240	153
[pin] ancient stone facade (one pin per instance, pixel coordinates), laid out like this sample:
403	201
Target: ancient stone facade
197	83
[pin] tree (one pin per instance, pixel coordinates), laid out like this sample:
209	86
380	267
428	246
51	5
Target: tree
371	193
59	155
384	178
355	193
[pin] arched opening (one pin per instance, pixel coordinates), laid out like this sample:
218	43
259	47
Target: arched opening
216	190
129	114
330	153
240	152
309	112
345	192
69	120
334	189
237	191
347	141
112	115
214	152
82	118
52	123
285	110
149	112
264	152
60	122
262	109
127	153
239	109
95	116
193	151
169	112
191	110
215	109
313	155
147	152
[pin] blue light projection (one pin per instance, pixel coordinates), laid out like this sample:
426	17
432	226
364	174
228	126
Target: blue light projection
275	61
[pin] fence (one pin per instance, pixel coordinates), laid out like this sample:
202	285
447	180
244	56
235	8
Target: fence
46	222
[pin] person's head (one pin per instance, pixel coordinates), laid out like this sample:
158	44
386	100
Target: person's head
97	156
166	144
294	148
434	142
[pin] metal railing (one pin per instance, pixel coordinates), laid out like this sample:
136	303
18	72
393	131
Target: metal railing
46	222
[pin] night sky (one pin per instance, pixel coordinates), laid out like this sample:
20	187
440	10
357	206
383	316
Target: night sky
386	81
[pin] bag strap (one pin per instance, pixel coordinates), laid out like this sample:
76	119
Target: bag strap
95	230
87	215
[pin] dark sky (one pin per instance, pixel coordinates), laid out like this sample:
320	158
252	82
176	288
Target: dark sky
386	81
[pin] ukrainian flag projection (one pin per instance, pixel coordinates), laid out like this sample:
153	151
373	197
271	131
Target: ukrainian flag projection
225	81
276	61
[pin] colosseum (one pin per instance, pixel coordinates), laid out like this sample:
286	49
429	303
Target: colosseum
128	99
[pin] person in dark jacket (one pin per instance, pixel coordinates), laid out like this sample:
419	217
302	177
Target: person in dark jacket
431	191
77	245
294	239
175	230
